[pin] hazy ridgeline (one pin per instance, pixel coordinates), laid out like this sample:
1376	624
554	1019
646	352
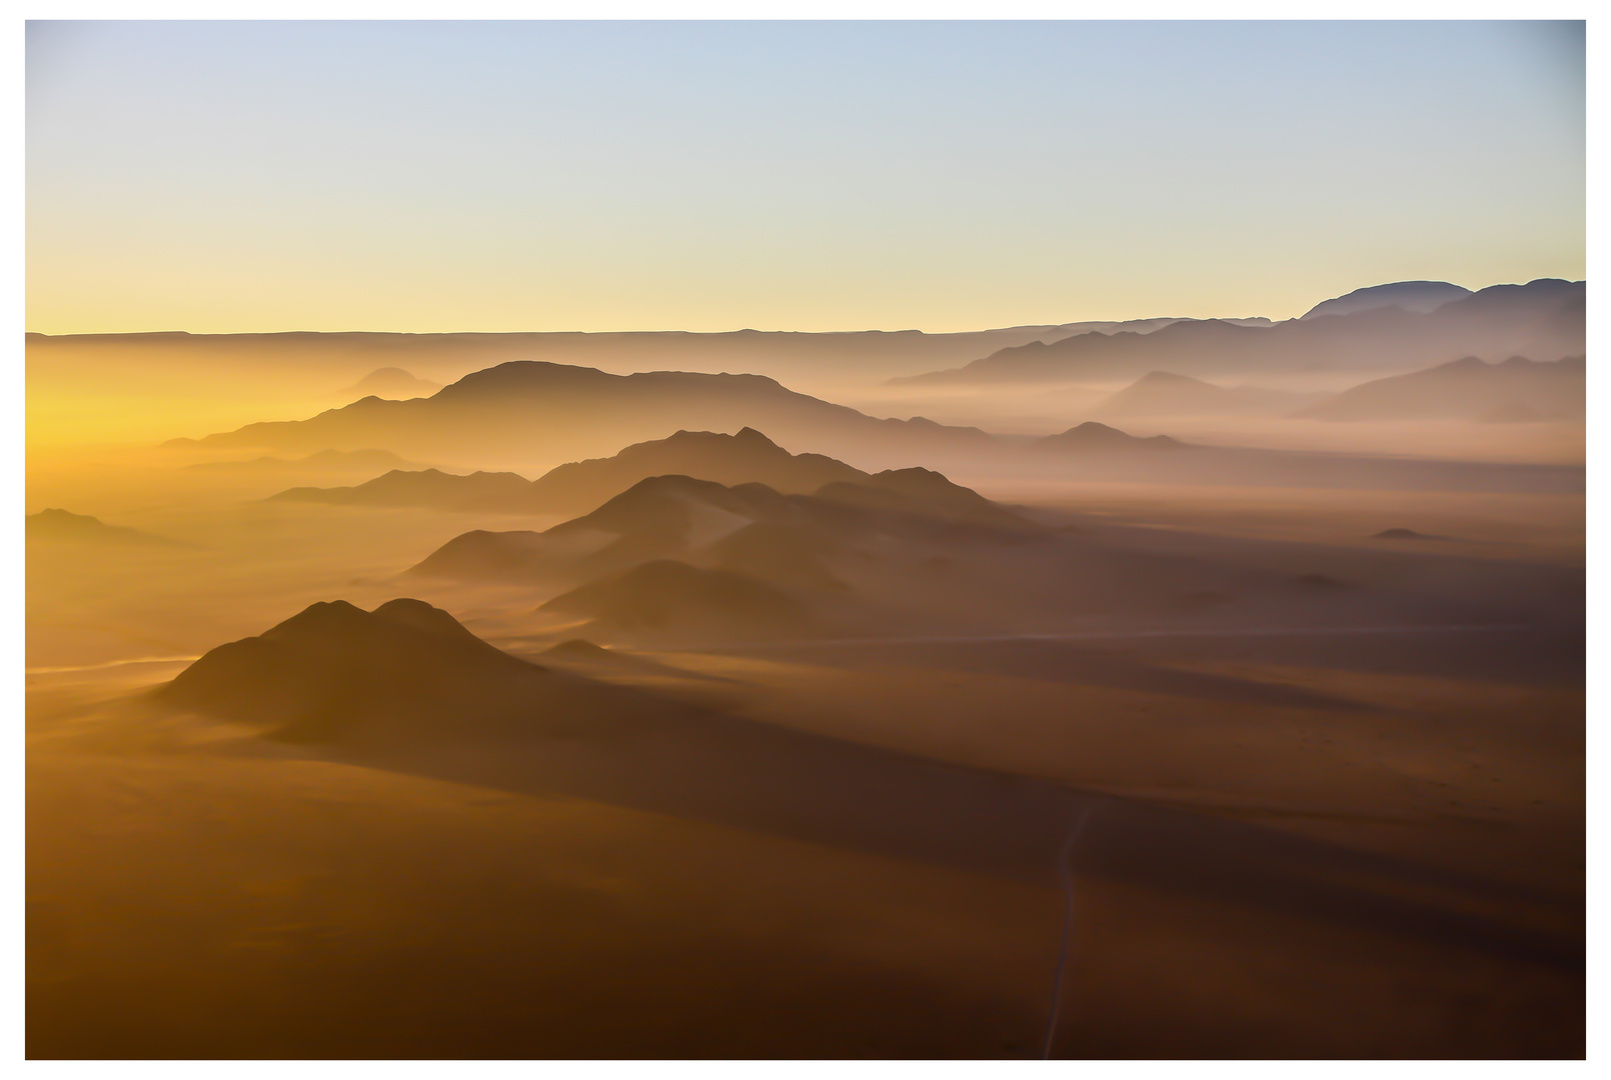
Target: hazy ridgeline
659	695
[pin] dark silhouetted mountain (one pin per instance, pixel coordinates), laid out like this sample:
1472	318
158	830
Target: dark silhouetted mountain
430	488
1465	389
482	555
324	461
747	457
700	521
203	365
526	410
665	595
336	672
55	524
655	518
1160	393
1094	438
1542	318
1421	296
900	554
316	671
921	492
389	382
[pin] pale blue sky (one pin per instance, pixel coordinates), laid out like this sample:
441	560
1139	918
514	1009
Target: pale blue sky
811	176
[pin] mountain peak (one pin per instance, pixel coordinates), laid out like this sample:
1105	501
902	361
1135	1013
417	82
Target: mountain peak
333	664
390	383
1093	435
1417	296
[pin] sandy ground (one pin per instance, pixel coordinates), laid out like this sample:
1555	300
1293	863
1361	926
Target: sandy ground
1384	868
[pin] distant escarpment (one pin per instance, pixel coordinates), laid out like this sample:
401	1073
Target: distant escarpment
531	411
1544	318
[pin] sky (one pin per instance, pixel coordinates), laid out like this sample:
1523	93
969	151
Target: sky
224	177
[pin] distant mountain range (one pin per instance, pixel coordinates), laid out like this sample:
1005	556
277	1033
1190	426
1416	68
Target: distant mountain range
520	409
746	457
1421	296
1093	437
675	560
428	488
1517	389
61	525
784	355
1161	393
1091	450
529	410
1543	319
389	382
672	515
673	555
323	461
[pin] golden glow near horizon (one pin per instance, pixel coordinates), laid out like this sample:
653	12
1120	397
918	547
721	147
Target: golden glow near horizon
233	177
